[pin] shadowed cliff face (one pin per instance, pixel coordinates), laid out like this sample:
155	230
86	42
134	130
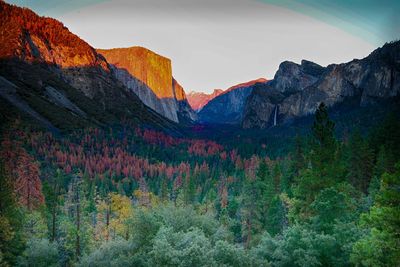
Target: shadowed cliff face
186	113
227	108
198	100
160	91
298	89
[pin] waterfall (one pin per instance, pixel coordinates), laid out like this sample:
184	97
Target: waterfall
276	114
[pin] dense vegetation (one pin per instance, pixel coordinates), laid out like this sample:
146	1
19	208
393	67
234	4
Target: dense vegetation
126	196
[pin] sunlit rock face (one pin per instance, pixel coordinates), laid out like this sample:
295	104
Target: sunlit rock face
227	108
296	90
30	38
152	69
198	100
156	88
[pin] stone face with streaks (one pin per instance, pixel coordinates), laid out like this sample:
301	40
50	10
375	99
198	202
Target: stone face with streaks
149	76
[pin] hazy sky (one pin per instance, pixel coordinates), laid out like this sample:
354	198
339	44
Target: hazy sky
219	43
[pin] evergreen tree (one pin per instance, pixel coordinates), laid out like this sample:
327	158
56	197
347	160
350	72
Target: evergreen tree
359	162
323	142
275	217
251	212
380	247
325	169
10	221
323	130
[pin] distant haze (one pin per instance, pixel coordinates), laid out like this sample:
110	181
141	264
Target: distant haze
219	43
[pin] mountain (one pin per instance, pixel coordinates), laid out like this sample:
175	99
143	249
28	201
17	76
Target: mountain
296	90
198	100
227	108
50	74
185	112
149	76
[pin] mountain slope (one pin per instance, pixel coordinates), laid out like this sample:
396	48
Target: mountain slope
227	107
198	100
48	69
149	76
298	89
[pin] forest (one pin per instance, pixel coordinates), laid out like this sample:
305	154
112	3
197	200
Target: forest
126	195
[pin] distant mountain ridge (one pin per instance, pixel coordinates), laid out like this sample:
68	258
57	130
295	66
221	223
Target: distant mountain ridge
198	100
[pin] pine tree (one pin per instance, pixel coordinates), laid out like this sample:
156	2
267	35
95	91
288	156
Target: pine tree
323	132
359	162
252	208
380	247
325	169
275	221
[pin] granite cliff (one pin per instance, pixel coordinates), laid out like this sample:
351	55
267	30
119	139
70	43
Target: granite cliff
296	90
149	76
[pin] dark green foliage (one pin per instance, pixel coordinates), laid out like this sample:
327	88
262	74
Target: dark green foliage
11	239
205	208
39	253
275	216
359	162
380	247
252	209
117	253
323	128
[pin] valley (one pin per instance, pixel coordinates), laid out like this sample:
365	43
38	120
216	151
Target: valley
105	160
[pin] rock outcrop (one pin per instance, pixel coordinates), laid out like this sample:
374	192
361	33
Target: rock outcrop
296	90
149	76
198	100
227	108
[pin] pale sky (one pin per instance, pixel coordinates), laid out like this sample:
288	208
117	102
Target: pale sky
219	43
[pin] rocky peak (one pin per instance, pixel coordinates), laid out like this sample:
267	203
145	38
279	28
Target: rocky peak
292	77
